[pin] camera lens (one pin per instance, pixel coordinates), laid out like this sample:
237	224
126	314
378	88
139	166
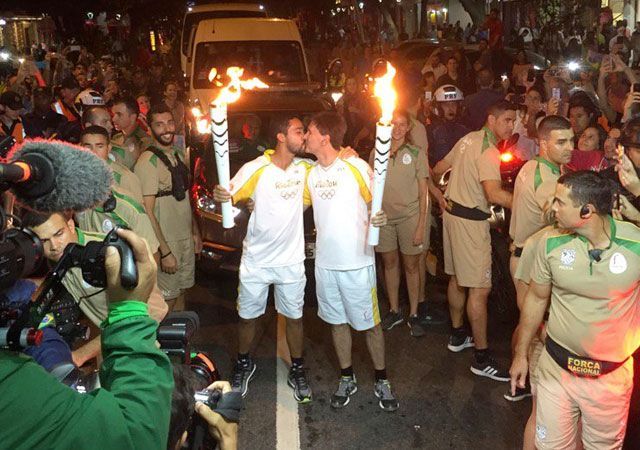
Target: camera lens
20	255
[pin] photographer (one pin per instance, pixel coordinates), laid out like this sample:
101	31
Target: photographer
224	431
129	411
56	231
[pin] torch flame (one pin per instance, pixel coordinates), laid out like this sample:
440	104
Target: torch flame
386	94
231	92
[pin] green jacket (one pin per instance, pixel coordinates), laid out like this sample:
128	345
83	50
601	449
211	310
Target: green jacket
130	411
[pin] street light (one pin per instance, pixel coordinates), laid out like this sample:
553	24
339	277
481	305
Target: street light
4	56
2	22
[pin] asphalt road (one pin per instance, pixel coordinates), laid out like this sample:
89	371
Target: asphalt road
442	404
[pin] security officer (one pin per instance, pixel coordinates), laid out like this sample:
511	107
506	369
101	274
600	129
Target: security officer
10	121
591	277
96	139
131	140
475	182
446	128
165	184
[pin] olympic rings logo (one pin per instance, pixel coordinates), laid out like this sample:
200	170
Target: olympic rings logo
288	195
328	194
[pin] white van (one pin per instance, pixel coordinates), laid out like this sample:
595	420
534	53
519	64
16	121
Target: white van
197	13
270	49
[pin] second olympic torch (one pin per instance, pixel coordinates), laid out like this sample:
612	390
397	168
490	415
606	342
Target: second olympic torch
387	97
220	129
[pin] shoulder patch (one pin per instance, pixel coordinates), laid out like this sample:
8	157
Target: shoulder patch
117	176
125	198
154	160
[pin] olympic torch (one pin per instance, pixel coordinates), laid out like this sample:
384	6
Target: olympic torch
387	97
220	128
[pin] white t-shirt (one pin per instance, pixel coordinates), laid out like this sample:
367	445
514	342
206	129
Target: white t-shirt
339	194
275	233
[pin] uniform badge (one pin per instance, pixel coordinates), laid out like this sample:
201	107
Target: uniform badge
406	159
107	226
617	263
567	257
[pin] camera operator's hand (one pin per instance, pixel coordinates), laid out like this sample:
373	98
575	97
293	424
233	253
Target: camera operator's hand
145	263
226	433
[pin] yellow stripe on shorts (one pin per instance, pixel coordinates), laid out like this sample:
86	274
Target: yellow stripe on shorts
376	310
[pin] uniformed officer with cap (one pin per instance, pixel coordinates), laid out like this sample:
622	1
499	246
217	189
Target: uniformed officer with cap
475	182
589	271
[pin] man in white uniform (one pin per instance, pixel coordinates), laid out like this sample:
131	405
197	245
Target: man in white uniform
339	190
273	249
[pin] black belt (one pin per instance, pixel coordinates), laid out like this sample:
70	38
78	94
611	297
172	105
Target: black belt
456	209
517	252
579	365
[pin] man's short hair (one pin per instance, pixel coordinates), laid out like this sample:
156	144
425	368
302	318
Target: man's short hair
157	108
485	78
182	403
89	113
630	136
552	123
331	124
95	129
129	102
279	123
499	107
32	219
587	187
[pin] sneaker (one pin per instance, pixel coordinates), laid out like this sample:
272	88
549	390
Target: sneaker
415	325
432	318
298	381
242	374
521	394
346	388
387	401
391	320
490	369
458	343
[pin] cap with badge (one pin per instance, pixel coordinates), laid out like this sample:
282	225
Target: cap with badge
11	100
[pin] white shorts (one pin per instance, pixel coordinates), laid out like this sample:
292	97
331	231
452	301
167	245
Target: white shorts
348	296
253	290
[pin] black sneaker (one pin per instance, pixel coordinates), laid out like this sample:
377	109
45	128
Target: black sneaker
521	394
242	374
458	343
490	369
432	318
387	402
346	388
391	320
417	330
297	380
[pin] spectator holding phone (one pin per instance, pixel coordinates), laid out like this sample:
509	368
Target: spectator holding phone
521	70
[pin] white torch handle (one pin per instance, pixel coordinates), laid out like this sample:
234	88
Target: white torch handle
220	135
380	162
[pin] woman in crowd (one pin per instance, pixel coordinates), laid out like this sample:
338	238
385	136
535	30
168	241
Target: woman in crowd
404	238
589	155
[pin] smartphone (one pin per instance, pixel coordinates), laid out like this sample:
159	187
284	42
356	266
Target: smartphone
620	40
504	77
555	93
428	96
531	75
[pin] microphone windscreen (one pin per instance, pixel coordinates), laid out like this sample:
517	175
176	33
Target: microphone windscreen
81	179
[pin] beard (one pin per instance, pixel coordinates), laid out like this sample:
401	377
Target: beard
165	138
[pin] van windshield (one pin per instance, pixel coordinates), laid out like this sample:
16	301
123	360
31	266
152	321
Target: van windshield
272	61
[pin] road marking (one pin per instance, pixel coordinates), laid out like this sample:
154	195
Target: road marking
287	419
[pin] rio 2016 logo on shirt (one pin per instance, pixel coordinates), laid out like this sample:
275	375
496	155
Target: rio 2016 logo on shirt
618	263
567	258
406	159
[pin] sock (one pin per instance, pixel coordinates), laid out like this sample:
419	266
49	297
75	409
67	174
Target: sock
459	332
297	362
381	374
481	355
244	357
348	372
422	309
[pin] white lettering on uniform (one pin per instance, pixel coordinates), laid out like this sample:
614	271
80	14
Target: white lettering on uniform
617	263
541	432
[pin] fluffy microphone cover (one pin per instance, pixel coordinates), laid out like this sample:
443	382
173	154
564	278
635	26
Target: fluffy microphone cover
82	180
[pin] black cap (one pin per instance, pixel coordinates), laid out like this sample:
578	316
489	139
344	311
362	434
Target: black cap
11	100
69	83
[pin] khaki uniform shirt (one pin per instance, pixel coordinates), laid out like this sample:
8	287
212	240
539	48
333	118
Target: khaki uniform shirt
473	159
126	149
126	180
595	305
127	213
401	198
92	300
534	188
173	216
527	259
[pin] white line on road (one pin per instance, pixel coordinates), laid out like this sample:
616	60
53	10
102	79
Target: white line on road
287	420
